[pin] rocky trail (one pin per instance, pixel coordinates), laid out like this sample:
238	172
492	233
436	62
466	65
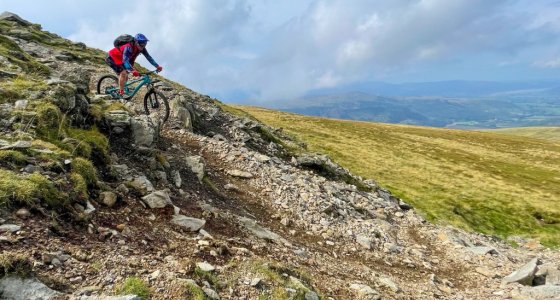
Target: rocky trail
211	205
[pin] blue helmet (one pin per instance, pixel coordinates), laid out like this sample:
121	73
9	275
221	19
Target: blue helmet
140	38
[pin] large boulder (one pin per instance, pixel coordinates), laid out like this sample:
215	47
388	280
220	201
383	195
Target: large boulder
14	18
80	77
62	94
184	112
157	199
191	224
117	118
145	130
196	164
525	274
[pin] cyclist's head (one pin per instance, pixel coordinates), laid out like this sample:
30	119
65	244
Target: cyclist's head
141	39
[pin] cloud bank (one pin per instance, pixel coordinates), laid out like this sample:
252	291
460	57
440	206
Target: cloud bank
268	50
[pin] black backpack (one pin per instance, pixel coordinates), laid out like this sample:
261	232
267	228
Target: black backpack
123	39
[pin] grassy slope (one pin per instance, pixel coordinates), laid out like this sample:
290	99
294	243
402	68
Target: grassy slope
547	133
493	183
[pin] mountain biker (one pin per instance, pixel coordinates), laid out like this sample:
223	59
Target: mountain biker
121	59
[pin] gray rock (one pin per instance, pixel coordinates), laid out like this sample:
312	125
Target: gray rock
15	18
206	267
108	198
21	104
142	185
256	282
32	169
542	292
118	118
145	130
482	250
158	199
5	111
231	187
197	165
62	94
259	231
191	224
210	293
80	77
390	284
364	241
9	228
185	118
18	145
553	277
240	174
311	296
176	178
55	81
23	213
525	274
365	291
14	288
89	208
99	98
262	158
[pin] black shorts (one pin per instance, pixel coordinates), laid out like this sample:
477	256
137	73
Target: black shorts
117	68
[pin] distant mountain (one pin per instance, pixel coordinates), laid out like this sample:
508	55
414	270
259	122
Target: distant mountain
455	104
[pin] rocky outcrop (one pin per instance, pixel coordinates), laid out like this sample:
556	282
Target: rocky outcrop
23	289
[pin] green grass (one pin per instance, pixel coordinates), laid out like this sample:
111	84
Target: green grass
14	263
487	182
134	286
546	133
16	188
193	291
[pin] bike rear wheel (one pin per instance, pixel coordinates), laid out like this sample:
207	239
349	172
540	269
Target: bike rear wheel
108	85
156	102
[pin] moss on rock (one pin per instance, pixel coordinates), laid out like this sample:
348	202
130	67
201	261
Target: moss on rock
85	168
14	263
79	187
27	189
12	156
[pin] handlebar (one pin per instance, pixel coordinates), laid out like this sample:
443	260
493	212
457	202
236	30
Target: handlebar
150	72
147	73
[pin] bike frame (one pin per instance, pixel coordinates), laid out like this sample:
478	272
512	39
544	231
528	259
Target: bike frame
144	80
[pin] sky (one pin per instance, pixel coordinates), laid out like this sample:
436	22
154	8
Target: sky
267	50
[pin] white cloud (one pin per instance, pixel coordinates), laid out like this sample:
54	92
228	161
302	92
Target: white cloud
548	64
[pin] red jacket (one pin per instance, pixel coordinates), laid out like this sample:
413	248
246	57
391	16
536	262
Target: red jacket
117	54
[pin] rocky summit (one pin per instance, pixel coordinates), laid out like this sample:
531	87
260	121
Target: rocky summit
100	201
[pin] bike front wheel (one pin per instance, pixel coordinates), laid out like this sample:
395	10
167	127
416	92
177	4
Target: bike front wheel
156	102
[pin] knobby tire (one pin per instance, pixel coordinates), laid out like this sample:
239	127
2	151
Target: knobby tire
163	103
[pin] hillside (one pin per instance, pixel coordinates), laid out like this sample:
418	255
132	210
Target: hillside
100	201
465	178
546	133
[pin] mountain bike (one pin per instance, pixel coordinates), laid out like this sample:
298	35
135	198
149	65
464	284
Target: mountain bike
154	100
